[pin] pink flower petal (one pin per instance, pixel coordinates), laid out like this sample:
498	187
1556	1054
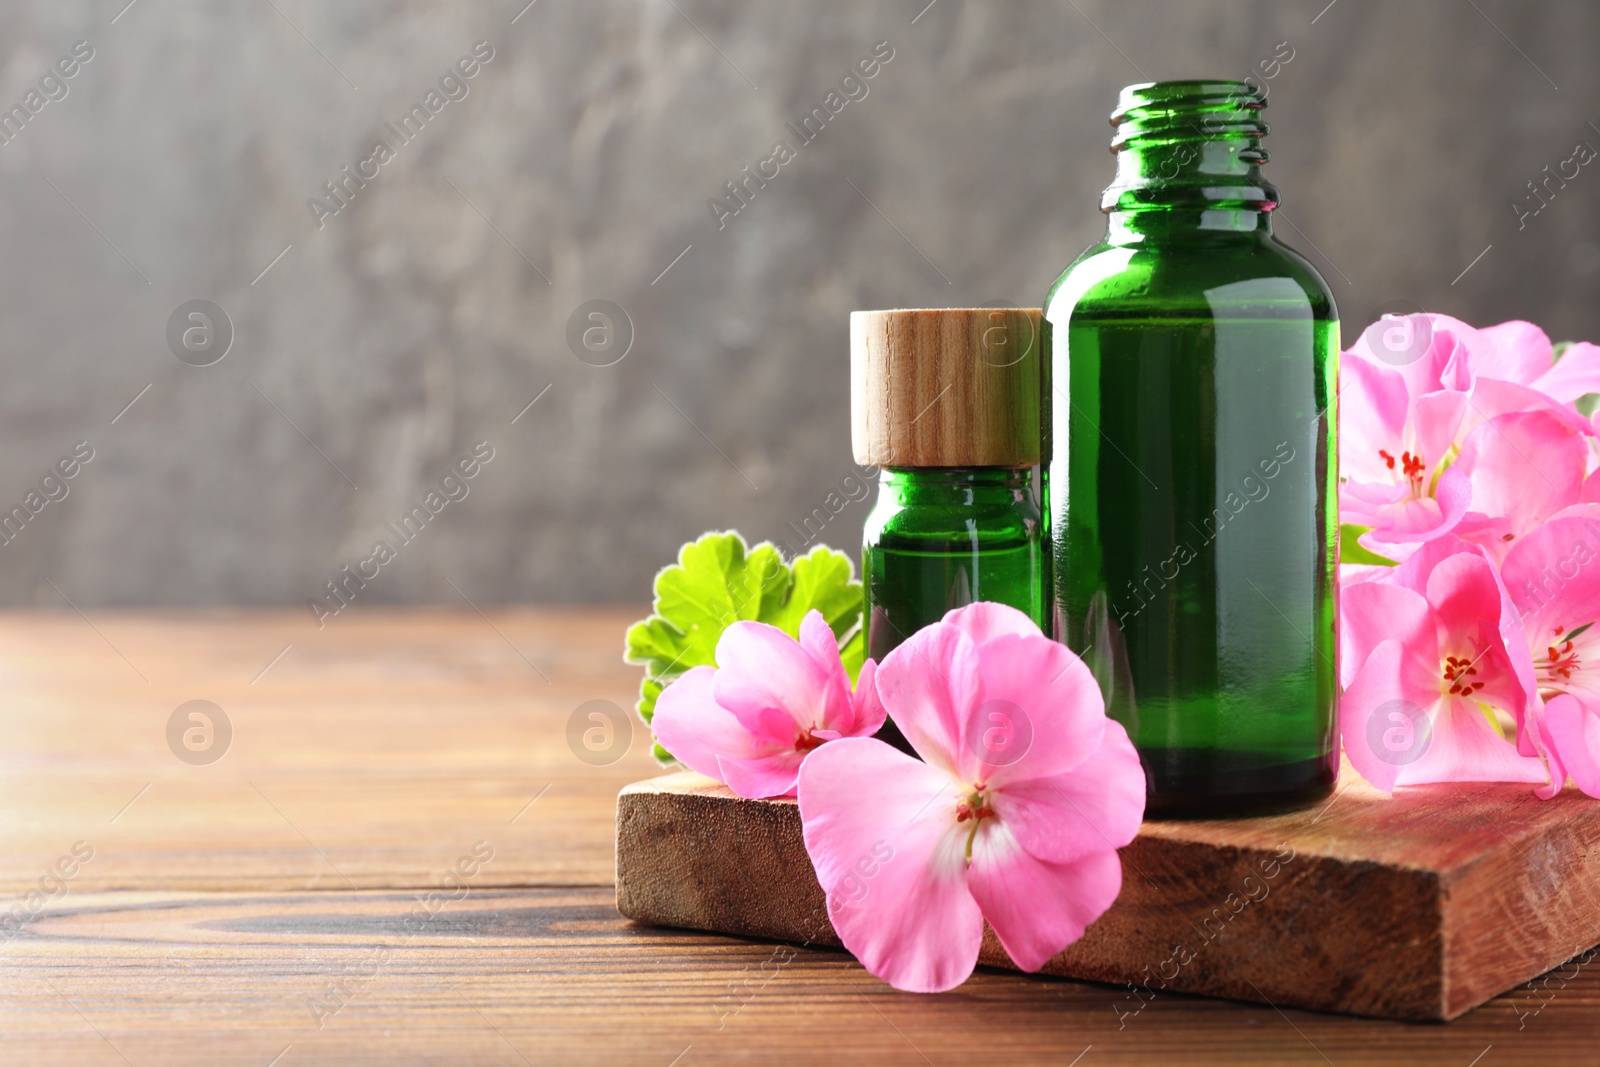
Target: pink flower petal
765	776
1360	573
1541	743
1492	398
1393	340
1436	417
817	638
1553	574
1094	808
867	711
692	726
880	828
1377	724
1574	376
1041	713
1371	613
1524	467
1428	351
985	620
1424	518
1517	352
1370	503
1374	411
1461	589
771	731
1573	730
763	668
1463	747
929	684
1449	361
1038	908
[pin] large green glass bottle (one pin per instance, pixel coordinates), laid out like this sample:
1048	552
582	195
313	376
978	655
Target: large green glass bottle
1192	472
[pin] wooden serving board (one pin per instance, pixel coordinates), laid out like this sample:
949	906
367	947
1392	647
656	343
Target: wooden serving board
1418	906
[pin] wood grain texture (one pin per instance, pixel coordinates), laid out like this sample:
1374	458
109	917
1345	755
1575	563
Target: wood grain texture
370	755
207	930
1419	906
555	976
946	387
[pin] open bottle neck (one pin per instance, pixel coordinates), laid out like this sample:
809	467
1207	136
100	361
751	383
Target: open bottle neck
1189	161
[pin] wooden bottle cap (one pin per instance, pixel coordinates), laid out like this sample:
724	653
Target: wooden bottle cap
945	387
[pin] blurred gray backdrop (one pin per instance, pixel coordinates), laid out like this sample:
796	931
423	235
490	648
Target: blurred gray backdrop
373	347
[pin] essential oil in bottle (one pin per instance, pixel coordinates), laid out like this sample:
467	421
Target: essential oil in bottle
946	403
1193	471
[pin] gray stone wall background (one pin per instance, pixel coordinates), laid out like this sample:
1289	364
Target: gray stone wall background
426	315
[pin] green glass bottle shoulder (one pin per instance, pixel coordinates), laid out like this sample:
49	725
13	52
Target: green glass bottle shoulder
1204	273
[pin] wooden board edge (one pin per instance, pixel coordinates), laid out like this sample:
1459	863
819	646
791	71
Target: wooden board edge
676	837
1524	911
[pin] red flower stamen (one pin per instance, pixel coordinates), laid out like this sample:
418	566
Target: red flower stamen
1415	468
1457	671
1559	661
975	807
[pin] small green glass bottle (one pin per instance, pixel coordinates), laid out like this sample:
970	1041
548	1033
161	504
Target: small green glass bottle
1193	469
942	537
946	402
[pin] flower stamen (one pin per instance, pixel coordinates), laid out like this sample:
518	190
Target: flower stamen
1414	467
1457	671
1558	664
975	808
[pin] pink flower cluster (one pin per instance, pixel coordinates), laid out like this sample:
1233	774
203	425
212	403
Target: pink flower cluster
1464	455
1013	815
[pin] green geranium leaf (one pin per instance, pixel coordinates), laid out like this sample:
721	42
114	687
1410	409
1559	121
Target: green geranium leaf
824	580
648	691
718	581
1353	551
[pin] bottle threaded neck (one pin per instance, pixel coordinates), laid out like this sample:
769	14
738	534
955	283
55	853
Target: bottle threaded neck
1189	144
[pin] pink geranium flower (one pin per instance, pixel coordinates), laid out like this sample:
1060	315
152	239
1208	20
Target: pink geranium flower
1418	391
1553	576
1436	669
1024	792
751	721
1404	397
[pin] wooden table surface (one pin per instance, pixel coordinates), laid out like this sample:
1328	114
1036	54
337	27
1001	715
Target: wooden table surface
293	902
